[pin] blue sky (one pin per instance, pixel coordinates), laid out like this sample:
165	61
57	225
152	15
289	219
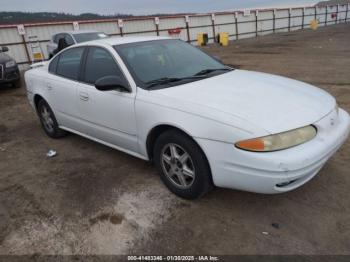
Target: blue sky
139	7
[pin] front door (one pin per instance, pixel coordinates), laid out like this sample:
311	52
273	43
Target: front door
106	115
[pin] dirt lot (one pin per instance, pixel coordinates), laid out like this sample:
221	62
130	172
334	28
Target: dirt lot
91	199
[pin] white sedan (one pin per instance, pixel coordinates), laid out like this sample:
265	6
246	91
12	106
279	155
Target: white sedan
202	123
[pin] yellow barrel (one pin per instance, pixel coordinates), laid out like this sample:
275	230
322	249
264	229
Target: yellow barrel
224	39
202	39
314	24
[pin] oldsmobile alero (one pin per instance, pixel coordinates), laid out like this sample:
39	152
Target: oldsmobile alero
203	124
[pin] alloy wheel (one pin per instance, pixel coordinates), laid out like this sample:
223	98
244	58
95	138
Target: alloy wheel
178	166
47	119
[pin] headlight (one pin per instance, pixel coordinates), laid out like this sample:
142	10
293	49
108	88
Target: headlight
11	63
279	141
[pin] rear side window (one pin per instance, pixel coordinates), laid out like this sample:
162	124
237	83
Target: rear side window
69	63
100	63
53	65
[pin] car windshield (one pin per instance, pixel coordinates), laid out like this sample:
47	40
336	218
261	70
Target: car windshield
164	63
84	37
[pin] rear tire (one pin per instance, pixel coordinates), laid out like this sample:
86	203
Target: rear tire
48	120
182	165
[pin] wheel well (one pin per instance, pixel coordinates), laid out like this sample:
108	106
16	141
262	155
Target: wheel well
37	98
156	132
153	135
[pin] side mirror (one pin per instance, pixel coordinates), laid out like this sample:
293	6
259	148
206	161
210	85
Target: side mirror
4	49
109	83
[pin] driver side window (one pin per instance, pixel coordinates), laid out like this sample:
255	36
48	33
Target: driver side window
100	63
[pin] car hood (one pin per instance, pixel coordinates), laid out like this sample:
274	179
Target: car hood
4	58
273	103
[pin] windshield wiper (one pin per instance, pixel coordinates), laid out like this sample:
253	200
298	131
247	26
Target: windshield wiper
208	71
168	80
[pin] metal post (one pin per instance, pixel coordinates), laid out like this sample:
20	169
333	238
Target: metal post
325	21
157	29
289	20
121	25
303	19
188	29
274	21
315	13
256	23
213	25
156	23
346	15
26	48
336	20
236	25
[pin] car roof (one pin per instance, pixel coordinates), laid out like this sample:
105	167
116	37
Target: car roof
76	32
112	41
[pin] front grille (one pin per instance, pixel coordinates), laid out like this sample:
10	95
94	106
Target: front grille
11	76
1	72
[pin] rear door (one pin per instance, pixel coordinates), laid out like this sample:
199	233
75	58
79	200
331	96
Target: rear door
62	86
107	115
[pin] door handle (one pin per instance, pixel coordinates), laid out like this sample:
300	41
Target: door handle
49	87
84	96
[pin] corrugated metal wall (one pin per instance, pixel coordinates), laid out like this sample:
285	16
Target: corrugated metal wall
246	25
238	24
265	22
226	23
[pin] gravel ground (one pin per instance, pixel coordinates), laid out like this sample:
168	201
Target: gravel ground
91	199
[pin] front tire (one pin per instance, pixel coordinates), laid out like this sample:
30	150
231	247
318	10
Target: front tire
182	165
48	120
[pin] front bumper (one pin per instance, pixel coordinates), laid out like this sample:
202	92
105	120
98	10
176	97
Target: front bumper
9	75
280	171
